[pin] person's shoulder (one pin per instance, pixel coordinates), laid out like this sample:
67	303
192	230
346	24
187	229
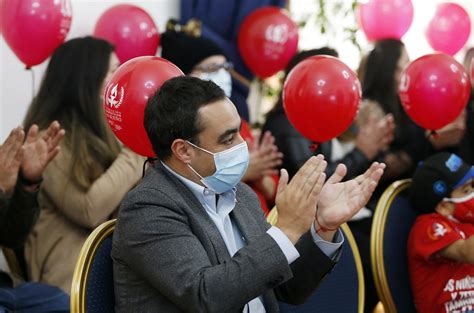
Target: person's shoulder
155	187
428	219
433	227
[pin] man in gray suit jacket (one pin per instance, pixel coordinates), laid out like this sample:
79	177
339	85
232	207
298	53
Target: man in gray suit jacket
191	238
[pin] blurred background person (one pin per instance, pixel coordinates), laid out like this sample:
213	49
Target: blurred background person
22	163
441	241
85	183
356	152
364	142
381	75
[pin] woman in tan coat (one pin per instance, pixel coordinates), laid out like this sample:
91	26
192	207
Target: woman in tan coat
85	183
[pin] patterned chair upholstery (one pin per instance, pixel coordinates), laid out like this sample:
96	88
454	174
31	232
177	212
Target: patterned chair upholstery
93	284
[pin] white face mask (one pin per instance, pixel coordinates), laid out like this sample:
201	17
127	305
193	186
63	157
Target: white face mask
461	199
221	78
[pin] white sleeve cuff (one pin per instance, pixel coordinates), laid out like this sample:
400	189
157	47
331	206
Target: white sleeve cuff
284	243
328	248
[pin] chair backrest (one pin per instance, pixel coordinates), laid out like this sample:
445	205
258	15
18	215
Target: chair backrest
92	287
393	219
346	282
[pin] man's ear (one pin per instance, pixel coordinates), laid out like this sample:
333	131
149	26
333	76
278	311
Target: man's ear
182	150
445	208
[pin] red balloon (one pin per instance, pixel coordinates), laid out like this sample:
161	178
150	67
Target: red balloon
449	29
126	97
382	19
434	90
321	96
267	41
131	29
34	29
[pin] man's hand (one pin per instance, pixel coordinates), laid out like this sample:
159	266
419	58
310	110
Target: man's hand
297	200
339	201
11	153
40	150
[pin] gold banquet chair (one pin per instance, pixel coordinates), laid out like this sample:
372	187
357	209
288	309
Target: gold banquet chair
346	281
393	219
92	289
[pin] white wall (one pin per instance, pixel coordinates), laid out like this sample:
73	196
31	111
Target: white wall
16	83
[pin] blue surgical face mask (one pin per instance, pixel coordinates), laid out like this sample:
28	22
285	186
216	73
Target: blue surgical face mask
231	165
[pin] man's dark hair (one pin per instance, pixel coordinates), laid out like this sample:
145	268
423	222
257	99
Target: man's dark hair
172	111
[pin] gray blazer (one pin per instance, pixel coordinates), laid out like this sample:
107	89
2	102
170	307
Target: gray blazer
169	256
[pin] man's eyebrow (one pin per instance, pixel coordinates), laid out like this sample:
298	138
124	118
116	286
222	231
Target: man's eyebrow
228	132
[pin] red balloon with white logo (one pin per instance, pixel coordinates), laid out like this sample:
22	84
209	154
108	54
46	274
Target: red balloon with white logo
267	40
321	96
127	94
34	29
130	29
434	90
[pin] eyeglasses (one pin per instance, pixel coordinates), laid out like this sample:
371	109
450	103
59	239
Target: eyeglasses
214	67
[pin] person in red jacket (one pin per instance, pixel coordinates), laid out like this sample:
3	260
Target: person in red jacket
441	242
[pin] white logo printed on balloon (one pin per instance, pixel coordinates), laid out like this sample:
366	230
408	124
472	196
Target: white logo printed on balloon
114	99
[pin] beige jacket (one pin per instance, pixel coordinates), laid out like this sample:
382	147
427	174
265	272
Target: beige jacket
68	215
